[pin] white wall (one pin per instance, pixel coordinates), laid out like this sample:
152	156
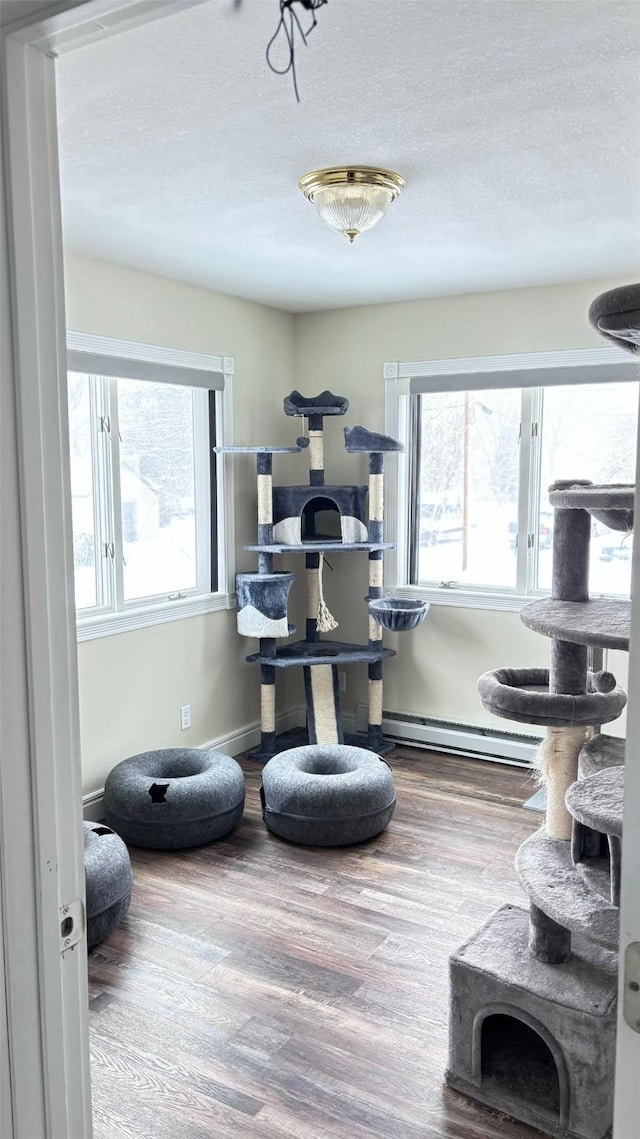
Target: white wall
438	664
133	684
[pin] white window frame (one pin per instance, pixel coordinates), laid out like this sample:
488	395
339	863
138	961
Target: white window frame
104	620
531	371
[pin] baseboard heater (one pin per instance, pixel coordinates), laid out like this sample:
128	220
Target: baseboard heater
458	739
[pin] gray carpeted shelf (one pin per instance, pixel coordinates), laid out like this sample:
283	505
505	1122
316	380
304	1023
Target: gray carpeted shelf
259	450
598	801
611	504
547	873
322	652
599	753
327	546
602	622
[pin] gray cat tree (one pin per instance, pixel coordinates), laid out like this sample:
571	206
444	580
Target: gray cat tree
533	994
288	522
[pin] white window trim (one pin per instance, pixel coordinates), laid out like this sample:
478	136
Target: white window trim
397	376
92	625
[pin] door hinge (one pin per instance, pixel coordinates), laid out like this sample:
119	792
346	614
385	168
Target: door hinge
72	924
534	430
631	997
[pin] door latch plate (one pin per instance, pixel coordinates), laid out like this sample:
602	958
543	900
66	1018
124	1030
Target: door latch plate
631	997
72	924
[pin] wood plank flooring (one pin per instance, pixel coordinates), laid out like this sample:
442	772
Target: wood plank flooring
259	990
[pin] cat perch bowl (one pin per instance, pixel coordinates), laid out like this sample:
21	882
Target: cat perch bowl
398	614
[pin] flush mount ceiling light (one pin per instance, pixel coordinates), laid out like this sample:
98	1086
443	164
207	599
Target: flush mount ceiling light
351	199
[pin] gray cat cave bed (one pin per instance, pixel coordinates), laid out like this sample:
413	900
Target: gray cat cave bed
533	994
174	798
327	795
108	881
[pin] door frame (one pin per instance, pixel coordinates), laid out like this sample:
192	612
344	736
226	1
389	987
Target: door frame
625	1124
41	838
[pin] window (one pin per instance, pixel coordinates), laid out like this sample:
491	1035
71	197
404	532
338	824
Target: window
474	521
146	499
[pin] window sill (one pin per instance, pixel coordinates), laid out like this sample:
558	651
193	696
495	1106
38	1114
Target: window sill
466	599
475	599
90	628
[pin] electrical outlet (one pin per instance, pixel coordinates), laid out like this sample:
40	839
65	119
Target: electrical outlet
185	717
342	681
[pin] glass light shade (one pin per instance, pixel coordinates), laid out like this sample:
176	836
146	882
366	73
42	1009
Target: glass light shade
352	209
351	199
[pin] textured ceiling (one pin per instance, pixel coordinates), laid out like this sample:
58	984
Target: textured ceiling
514	122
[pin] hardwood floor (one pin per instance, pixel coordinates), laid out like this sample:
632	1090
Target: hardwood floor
259	989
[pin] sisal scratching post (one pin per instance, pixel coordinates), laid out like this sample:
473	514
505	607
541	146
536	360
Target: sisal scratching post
316	451
267	705
557	762
322	704
264	466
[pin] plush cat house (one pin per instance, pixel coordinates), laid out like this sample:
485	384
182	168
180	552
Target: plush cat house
297	509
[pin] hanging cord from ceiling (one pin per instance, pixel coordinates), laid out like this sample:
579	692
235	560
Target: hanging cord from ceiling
289	25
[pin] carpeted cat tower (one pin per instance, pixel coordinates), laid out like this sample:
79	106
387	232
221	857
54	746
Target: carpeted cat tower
315	519
533	994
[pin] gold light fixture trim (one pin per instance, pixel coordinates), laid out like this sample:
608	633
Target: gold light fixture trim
351	199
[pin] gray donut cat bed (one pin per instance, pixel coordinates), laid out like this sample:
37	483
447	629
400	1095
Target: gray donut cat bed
327	795
108	881
174	798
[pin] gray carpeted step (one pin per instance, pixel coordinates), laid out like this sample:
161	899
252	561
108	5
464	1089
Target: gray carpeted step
602	622
598	801
600	752
611	504
546	871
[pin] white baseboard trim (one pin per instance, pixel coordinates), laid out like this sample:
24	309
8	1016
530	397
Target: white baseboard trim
436	735
93	807
233	743
457	739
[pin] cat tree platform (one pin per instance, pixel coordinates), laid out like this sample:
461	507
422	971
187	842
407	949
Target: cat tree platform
612	505
546	871
326	546
601	622
601	752
321	652
598	801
